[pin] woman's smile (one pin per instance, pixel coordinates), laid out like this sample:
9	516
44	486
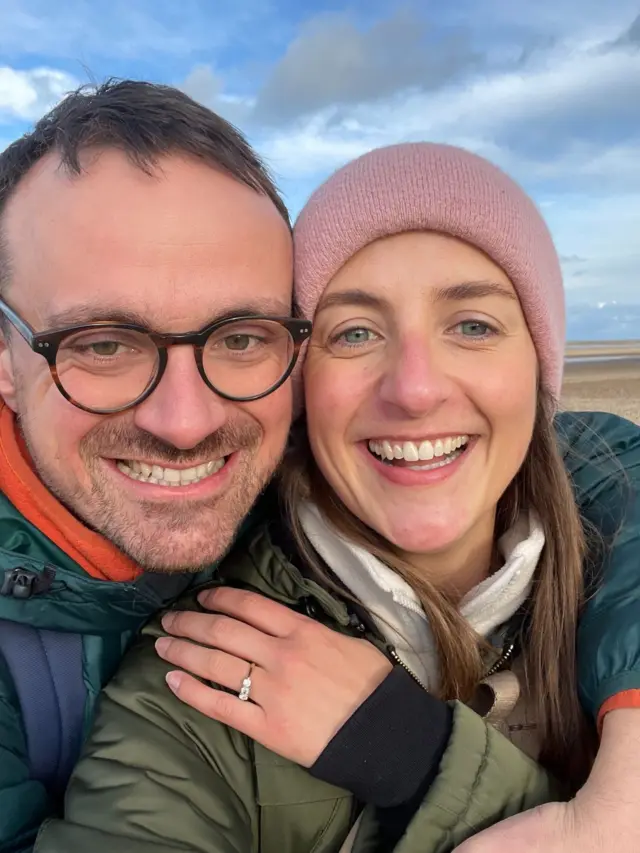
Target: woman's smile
424	463
400	472
421	454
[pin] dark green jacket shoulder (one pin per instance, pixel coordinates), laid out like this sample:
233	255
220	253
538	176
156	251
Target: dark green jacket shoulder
107	615
158	777
602	454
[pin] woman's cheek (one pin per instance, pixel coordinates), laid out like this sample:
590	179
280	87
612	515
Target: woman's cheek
329	385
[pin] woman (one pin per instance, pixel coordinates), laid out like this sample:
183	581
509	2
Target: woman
431	514
438	329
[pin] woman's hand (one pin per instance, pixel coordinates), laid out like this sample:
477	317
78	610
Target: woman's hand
306	681
603	818
551	828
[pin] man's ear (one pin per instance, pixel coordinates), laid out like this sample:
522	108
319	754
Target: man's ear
7	373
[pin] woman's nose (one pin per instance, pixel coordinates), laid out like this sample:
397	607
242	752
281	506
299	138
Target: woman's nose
415	378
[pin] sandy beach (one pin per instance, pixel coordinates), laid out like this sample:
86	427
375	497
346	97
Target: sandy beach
603	384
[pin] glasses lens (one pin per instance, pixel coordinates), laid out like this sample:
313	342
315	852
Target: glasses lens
247	357
106	368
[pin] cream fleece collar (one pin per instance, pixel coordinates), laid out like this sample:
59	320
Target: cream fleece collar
397	610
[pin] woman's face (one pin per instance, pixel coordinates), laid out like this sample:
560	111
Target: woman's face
421	385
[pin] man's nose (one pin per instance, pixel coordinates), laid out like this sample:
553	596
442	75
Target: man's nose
182	410
415	379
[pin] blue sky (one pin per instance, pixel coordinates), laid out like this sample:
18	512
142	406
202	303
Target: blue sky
549	89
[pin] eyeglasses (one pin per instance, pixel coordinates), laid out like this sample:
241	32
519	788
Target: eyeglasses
104	368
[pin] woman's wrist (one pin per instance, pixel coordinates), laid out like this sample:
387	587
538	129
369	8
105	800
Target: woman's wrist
391	747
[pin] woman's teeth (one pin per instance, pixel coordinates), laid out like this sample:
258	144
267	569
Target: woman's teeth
444	450
158	476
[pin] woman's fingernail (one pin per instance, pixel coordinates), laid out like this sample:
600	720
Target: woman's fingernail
162	645
167	620
173	680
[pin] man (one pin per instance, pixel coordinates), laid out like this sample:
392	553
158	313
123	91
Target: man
143	414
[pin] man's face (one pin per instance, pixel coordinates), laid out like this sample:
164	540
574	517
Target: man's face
179	249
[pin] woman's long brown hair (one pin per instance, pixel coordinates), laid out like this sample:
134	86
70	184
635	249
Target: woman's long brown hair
549	644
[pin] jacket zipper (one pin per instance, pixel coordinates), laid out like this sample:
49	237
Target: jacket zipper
396	657
505	657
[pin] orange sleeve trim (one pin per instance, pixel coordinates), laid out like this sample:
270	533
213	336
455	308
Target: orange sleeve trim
625	699
19	482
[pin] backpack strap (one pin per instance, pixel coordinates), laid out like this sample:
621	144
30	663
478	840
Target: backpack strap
47	672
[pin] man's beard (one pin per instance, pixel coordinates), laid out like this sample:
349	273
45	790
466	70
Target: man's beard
176	535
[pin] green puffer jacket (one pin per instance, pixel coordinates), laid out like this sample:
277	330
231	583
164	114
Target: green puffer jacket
158	777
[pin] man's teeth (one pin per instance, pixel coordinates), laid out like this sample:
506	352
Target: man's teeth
412	451
158	476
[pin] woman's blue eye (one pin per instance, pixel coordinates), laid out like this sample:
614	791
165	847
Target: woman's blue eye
357	336
474	329
354	337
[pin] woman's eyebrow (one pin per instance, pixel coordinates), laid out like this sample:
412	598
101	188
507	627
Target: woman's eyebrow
353	297
450	293
472	290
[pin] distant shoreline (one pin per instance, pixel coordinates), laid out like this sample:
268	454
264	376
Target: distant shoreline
601	349
605	380
598	368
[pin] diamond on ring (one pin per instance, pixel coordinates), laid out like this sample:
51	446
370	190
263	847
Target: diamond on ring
245	689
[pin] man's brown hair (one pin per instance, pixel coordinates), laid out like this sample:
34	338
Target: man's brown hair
146	121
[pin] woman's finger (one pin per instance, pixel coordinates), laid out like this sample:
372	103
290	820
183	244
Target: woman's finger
267	616
221	632
245	717
211	664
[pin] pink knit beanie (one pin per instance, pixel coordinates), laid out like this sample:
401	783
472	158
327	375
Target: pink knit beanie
424	186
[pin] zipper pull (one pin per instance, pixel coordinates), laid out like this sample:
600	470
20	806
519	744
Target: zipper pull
357	624
23	583
311	609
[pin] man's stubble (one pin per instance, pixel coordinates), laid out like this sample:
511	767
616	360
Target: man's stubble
187	535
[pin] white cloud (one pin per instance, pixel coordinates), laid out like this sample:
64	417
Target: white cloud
313	148
203	84
365	64
473	113
26	95
206	85
586	162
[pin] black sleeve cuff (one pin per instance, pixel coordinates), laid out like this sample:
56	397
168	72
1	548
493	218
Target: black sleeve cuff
391	747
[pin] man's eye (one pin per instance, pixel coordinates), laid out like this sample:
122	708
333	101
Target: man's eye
239	342
105	348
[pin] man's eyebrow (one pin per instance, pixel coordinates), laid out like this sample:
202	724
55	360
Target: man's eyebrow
353	297
472	290
78	315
